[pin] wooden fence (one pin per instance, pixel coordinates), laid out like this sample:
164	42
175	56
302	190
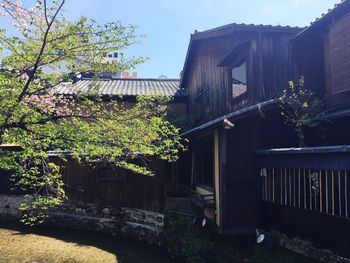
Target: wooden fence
320	190
305	192
116	187
107	186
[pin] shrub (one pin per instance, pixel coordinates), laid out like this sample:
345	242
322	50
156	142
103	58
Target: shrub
183	243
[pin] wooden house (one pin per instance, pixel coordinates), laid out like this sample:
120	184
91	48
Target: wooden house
305	192
321	53
114	186
232	75
118	187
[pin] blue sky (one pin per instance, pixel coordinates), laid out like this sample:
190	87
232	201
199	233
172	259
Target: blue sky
169	23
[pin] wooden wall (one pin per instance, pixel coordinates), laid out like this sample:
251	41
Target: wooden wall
308	60
305	193
269	70
321	55
118	188
240	179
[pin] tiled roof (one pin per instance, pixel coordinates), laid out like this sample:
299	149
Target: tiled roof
337	7
125	87
251	27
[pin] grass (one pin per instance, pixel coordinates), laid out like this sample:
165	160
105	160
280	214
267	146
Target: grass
43	245
20	244
226	253
269	255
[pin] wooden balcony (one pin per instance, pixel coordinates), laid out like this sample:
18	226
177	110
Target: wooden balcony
201	200
191	203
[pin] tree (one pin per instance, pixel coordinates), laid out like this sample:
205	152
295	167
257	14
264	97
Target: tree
32	116
301	108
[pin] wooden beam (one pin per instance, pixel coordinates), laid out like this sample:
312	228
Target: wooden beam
11	147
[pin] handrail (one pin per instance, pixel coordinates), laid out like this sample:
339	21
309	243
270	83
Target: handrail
202	200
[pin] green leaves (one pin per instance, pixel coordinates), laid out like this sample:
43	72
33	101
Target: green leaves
46	49
301	108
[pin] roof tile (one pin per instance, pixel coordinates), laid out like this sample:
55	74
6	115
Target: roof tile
125	87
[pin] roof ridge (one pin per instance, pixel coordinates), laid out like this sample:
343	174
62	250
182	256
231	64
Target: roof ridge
247	25
125	87
138	79
317	20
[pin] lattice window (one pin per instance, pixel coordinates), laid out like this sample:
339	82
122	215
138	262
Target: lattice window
339	56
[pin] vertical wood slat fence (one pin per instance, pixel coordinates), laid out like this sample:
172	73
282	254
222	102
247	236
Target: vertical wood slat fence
107	187
116	187
324	191
306	193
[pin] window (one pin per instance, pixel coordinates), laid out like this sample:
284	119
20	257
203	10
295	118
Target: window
204	162
239	80
115	54
201	104
337	62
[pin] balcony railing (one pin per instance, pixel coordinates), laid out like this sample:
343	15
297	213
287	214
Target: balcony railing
201	200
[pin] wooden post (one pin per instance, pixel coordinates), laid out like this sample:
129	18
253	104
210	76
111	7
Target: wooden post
321	205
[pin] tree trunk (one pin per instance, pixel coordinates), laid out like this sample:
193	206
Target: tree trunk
301	137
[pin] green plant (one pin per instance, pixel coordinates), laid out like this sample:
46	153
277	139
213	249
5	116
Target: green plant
35	117
301	108
182	243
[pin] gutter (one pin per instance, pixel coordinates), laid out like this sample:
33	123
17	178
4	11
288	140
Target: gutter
306	150
239	114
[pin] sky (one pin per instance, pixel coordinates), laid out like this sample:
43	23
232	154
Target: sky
168	24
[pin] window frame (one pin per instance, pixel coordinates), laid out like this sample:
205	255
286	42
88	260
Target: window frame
238	63
240	53
242	58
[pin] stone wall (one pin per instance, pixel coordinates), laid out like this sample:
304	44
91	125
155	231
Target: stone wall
113	227
9	205
127	222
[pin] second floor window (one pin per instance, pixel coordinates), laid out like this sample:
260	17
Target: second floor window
239	80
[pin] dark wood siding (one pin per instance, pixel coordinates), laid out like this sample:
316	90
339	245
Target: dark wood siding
240	181
106	186
277	69
269	70
116	187
305	193
308	58
208	83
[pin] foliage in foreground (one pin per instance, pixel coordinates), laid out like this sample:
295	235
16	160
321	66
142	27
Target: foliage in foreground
301	108
188	245
185	244
35	117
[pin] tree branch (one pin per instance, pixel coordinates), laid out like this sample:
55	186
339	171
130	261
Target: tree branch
36	65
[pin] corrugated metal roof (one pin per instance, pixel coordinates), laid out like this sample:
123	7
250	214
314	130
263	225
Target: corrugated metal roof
125	87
